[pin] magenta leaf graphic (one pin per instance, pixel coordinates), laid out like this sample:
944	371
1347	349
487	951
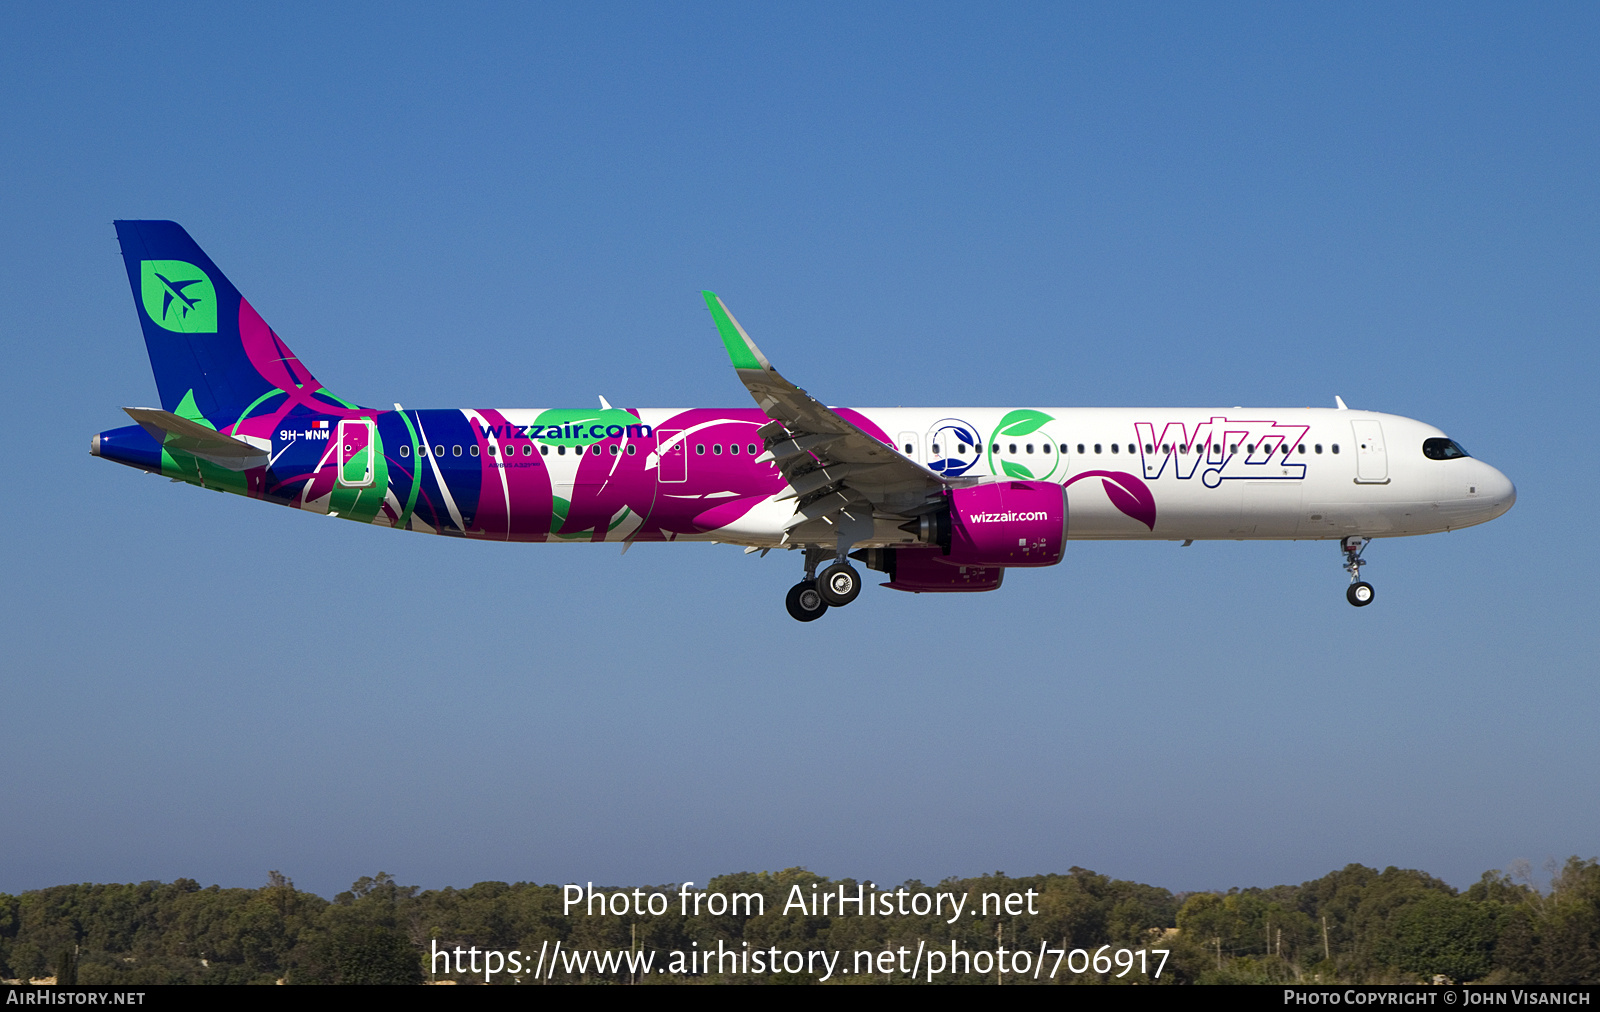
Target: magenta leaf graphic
726	513
1127	493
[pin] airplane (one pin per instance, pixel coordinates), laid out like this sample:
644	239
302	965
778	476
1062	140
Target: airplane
175	291
939	500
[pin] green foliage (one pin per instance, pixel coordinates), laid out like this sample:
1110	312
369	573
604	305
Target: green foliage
1555	939
357	955
1441	934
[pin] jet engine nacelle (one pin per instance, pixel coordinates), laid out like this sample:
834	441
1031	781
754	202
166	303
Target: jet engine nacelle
925	571
1003	523
1008	523
976	534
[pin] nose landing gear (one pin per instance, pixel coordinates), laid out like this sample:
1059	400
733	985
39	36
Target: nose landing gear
1360	593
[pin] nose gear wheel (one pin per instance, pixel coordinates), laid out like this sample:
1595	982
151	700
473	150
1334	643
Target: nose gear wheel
1360	592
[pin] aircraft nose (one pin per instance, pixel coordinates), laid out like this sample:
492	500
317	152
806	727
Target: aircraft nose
1497	489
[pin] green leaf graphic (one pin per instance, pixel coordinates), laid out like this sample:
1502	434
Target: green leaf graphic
178	296
581	421
1016	470
1021	422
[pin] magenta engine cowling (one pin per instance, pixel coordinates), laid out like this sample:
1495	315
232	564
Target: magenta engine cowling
925	571
1008	523
980	531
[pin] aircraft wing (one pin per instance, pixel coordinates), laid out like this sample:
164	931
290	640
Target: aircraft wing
830	463
191	437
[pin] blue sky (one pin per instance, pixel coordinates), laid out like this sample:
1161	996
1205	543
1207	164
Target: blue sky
915	204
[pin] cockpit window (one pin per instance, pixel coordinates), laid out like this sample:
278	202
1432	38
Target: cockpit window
1442	449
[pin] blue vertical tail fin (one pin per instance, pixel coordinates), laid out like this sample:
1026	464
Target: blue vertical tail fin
212	354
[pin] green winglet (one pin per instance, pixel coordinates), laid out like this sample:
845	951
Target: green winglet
741	350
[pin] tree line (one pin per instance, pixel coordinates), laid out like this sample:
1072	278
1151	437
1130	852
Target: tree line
1357	925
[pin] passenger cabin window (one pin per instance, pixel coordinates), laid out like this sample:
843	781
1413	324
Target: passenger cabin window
1442	449
544	451
405	451
935	447
632	449
716	448
1080	449
1335	447
1097	448
1113	447
700	448
1012	448
474	449
438	451
908	449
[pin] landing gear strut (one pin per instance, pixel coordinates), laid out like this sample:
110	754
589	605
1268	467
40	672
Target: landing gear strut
1360	592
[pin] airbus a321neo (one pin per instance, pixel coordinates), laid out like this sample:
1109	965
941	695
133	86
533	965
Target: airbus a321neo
937	499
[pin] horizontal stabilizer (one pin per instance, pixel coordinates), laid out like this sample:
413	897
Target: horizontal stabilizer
178	433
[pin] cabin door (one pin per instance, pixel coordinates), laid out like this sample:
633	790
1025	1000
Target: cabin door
1372	460
354	453
672	460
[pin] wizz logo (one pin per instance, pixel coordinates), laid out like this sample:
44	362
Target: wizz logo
1221	449
178	296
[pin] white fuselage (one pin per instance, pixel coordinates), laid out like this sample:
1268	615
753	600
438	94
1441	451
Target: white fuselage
1214	473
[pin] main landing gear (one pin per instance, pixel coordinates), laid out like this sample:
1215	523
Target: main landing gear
804	603
1360	593
838	585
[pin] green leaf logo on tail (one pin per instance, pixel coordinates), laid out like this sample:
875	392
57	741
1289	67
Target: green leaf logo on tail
178	296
